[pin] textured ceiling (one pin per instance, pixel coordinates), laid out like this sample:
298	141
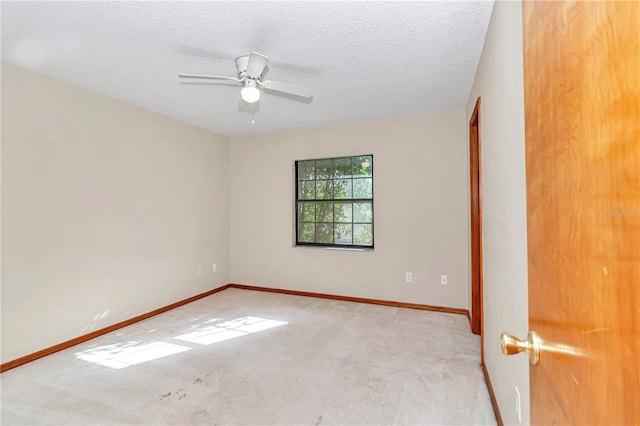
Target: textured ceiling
364	60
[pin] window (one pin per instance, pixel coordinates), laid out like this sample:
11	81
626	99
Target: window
334	202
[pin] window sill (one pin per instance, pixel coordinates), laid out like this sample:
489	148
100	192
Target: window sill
348	248
365	249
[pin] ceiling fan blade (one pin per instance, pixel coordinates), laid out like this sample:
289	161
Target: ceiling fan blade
209	77
291	89
257	64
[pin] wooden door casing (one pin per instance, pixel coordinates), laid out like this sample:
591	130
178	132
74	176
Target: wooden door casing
476	221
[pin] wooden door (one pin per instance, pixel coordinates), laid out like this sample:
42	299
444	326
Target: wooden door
582	135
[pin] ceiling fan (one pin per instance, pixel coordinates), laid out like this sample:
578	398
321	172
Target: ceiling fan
251	70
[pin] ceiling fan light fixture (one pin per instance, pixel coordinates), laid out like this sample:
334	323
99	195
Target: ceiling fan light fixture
250	93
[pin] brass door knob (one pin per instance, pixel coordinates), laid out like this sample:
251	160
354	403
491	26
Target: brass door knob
531	346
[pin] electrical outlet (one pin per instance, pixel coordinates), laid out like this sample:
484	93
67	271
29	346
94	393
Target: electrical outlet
199	270
444	280
214	267
408	277
518	407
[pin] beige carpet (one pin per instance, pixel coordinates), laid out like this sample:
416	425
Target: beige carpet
246	357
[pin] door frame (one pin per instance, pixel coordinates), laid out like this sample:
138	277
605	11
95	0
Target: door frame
476	316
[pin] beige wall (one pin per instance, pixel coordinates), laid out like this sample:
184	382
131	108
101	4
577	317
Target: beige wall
107	211
499	81
420	212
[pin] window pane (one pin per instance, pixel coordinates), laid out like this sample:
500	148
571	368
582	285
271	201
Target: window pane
342	212
306	190
362	212
324	233
342	189
362	188
342	167
324	212
343	233
306	170
324	169
307	233
363	235
324	190
306	212
363	165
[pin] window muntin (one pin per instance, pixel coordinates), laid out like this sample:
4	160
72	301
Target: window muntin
334	202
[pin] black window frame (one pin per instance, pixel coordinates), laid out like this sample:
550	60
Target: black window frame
351	200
